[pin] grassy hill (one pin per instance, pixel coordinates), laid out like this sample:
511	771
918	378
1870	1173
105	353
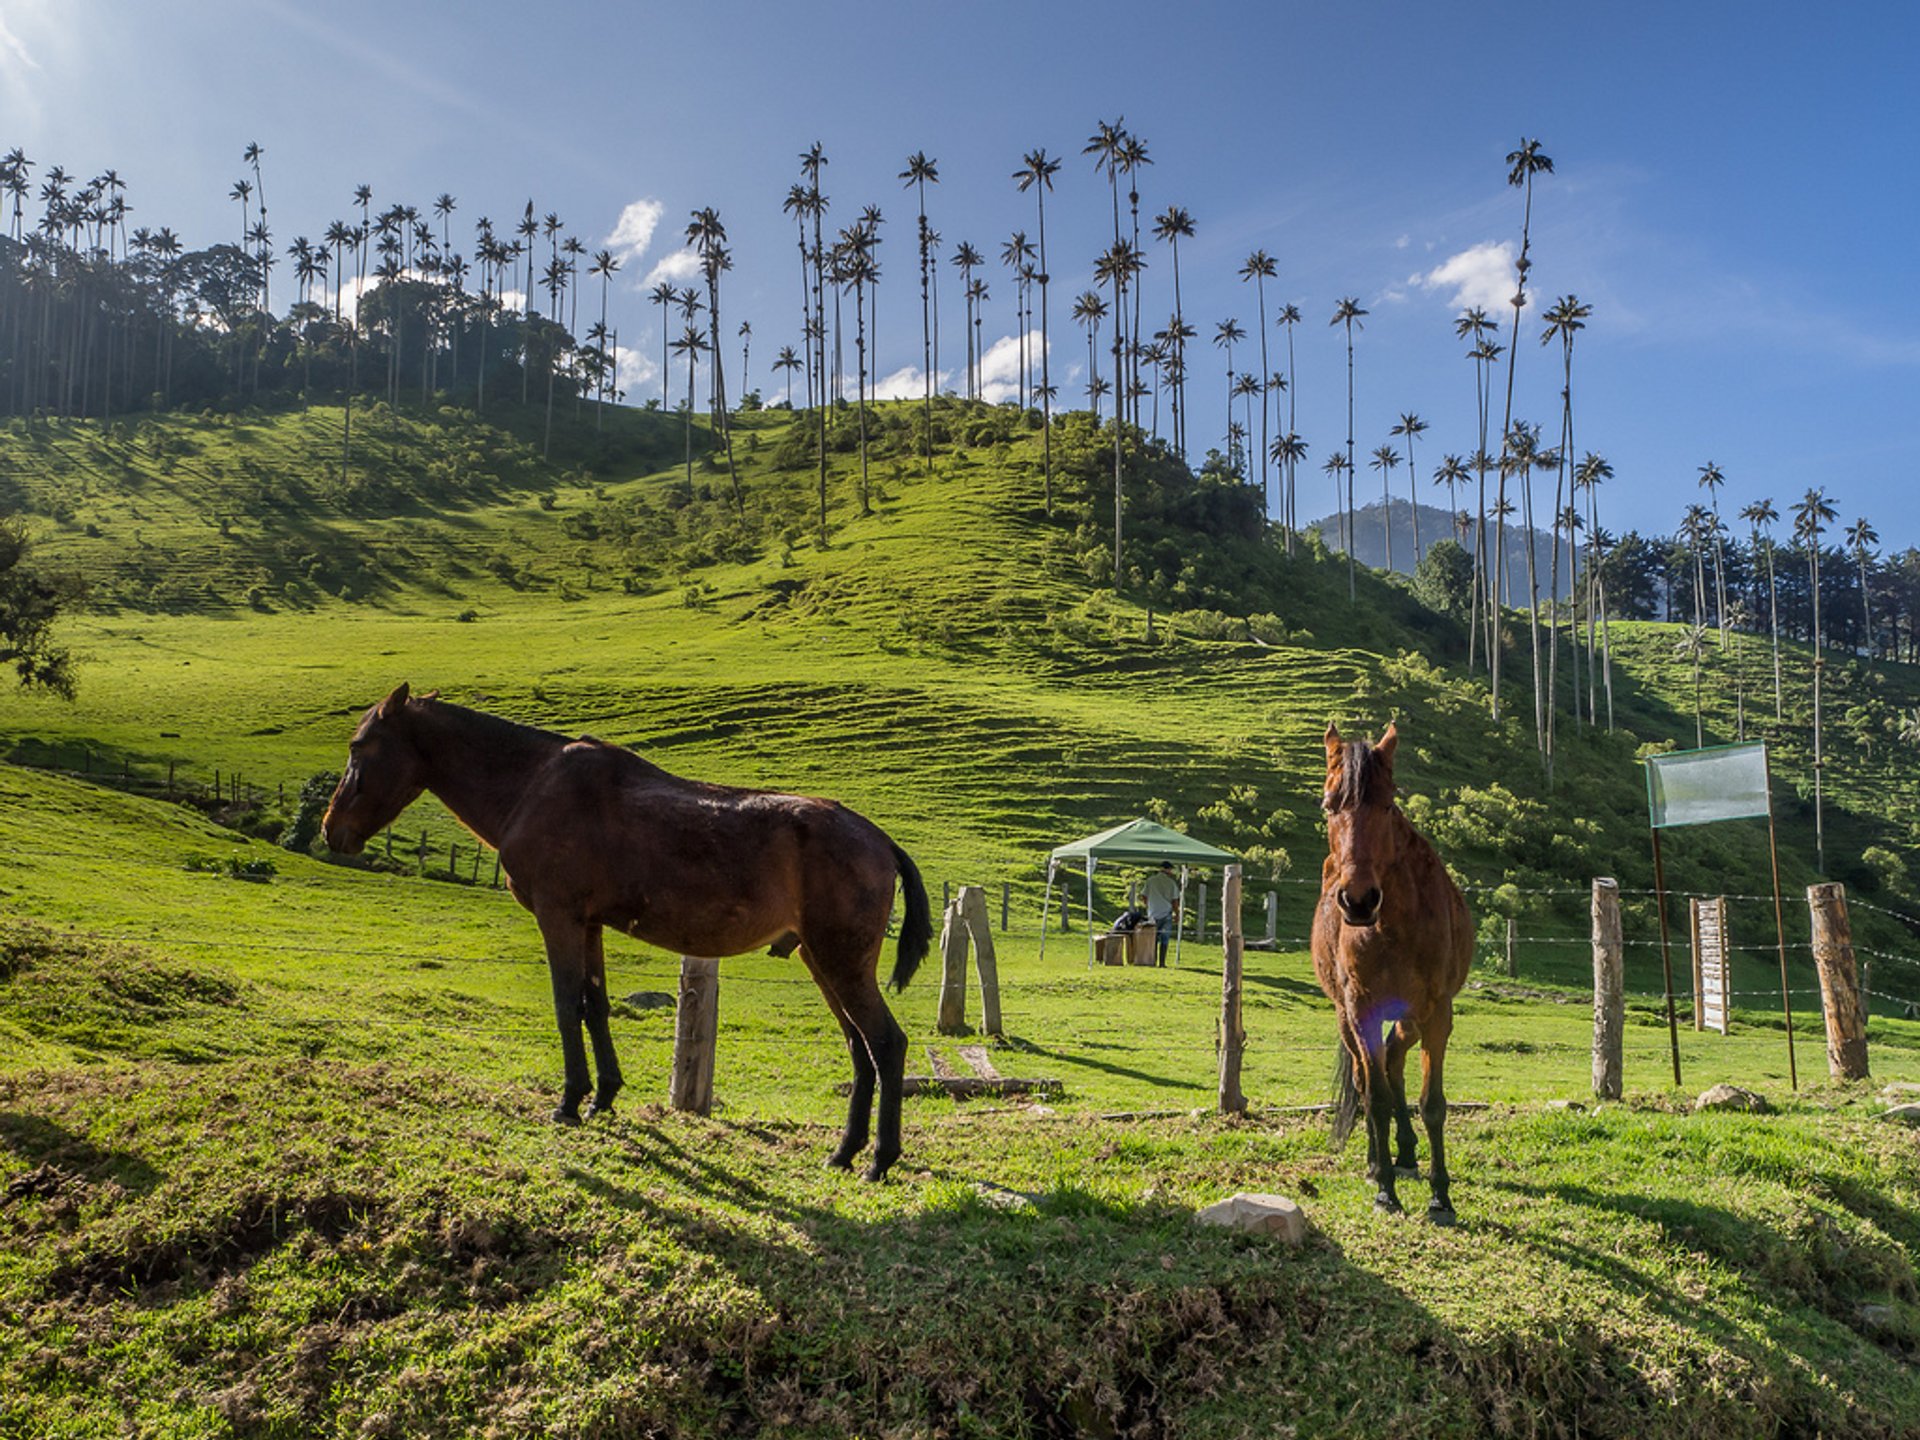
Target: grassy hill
270	1126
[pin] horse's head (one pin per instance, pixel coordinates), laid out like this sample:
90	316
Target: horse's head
382	778
1362	838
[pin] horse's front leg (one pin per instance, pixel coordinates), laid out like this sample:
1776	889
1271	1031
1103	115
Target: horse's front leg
596	1007
1433	1110
1406	1154
567	961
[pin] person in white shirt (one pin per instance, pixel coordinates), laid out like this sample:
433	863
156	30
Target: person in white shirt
1162	894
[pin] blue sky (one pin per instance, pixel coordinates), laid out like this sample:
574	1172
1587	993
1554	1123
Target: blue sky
1734	190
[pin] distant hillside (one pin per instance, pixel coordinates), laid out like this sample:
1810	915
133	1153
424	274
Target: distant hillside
1370	538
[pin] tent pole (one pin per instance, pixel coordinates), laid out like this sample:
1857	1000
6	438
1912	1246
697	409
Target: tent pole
1179	917
1780	923
1666	959
1046	901
1090	942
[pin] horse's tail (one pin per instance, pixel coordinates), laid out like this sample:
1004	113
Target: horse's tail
916	926
1346	1099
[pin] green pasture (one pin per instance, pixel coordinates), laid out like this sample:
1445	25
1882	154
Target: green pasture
272	1131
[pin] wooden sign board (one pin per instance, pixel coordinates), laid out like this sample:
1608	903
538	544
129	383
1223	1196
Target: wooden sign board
1711	971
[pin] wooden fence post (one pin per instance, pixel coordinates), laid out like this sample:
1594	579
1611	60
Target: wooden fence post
1609	993
1233	1037
953	972
1200	915
973	906
1839	982
696	1024
1006	905
1511	926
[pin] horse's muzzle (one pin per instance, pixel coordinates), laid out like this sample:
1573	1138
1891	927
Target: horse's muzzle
1359	910
340	838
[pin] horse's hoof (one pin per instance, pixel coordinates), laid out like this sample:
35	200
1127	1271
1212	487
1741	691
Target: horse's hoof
564	1116
876	1172
837	1161
1441	1215
598	1109
1387	1205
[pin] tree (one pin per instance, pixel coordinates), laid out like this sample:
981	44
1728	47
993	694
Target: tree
1860	535
788	361
30	603
1594	471
1174	225
1759	515
1444	578
1260	268
1411	426
1036	171
1522	165
966	260
1348	313
1810	518
1225	335
1089	310
1385	461
604	264
920	173
1692	646
709	238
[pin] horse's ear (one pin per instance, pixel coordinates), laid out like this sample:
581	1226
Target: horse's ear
1387	743
1333	742
392	705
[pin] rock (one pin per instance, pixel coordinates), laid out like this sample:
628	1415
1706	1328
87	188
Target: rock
1732	1097
651	1000
1898	1091
1908	1114
1273	1215
1565	1105
1876	1317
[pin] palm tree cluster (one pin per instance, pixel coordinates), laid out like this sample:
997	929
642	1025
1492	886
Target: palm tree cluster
99	319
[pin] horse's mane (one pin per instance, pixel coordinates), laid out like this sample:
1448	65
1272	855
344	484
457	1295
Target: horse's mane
1359	767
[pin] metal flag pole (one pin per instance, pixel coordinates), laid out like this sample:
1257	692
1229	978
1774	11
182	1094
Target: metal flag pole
1091	862
1780	923
1046	903
1179	917
1666	956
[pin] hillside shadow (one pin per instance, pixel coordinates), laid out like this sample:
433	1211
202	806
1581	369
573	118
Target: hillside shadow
909	1291
42	1145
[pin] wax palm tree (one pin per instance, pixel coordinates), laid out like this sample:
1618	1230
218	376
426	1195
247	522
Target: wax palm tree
1759	515
1225	335
1088	311
709	239
1036	172
1348	313
1410	428
1593	472
1385	461
1288	451
1711	480
1692	647
789	361
1810	518
920	173
603	265
1017	255
1174	225
1260	268
857	271
690	343
1289	316
1860	535
1335	465
1247	385
812	161
1117	268
1108	146
1452	473
966	260
1522	165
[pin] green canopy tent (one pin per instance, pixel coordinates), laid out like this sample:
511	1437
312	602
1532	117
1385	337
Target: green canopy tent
1137	842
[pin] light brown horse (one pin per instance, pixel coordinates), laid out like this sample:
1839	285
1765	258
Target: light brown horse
1392	944
590	835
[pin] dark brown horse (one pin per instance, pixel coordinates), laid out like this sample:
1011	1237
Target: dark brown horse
1392	943
590	835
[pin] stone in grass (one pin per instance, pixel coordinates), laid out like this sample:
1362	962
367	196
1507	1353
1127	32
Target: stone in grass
1273	1215
1732	1097
651	1000
1899	1091
1908	1114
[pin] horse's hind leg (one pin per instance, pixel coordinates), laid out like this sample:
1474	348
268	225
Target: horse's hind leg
1406	1156
860	1106
1433	1109
886	1051
596	1006
567	951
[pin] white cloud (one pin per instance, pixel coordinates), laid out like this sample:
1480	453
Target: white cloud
682	267
1000	369
1481	275
634	373
633	231
14	49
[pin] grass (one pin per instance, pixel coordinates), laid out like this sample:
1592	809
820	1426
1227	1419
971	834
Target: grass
273	1153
